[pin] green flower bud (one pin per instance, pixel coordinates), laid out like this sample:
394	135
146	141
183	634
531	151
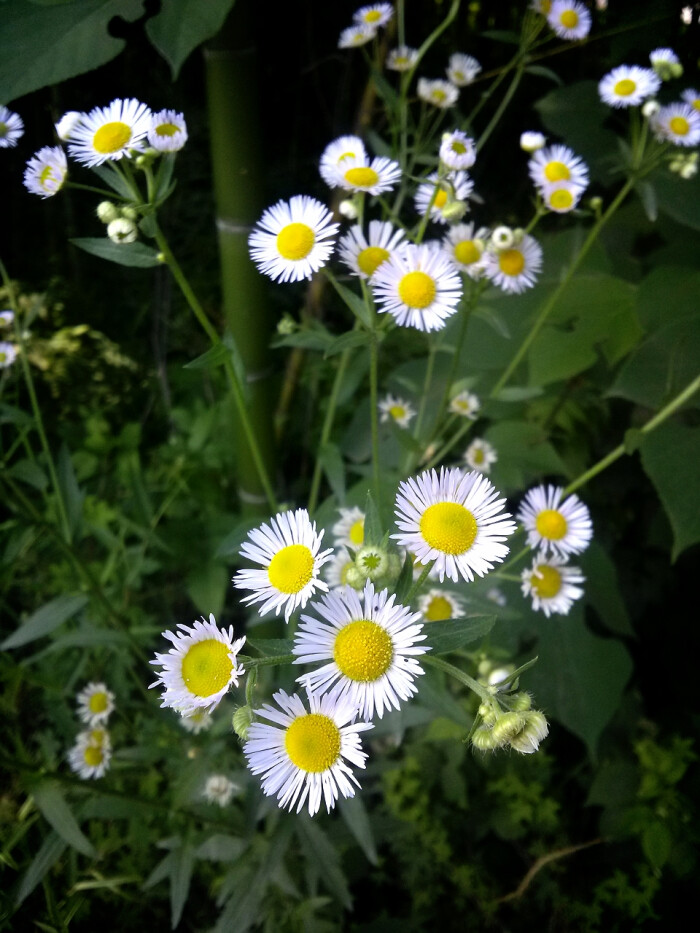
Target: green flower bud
130	213
107	212
533	732
507	726
488	714
354	578
122	230
242	718
372	562
483	739
286	325
453	211
521	702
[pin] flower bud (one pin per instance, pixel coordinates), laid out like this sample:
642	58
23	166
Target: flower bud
488	714
531	141
453	211
483	739
372	562
241	720
650	108
107	212
507	726
533	732
348	209
501	238
286	325
520	702
122	230
354	578
130	213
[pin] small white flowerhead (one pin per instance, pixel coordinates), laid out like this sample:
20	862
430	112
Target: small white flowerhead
678	124
465	245
337	153
465	404
46	171
439	192
365	254
109	133
480	455
168	131
122	230
6	318
666	64
95	704
562	527
197	721
558	164
11	128
457	150
628	86
501	238
438	605
561	196
64	127
348	209
398	410
516	268
293	239
569	19
441	94
356	35
375	177
350	528
8	354
90	756
402	59
552	584
374	15
531	141
691	96
219	789
462	69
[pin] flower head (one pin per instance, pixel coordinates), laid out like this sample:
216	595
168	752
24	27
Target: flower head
46	171
531	141
305	756
335	572
457	150
293	239
199	669
8	354
122	230
456	186
552	584
198	721
552	525
561	196
666	64
168	131
374	15
356	35
11	128
439	605
219	789
336	153
369	644
480	455
375	177
91	754
364	254
555	164
441	94
462	69
515	269
288	549
692	97
402	59
65	126
396	409
465	245
350	528
95	703
109	133
454	519
677	123
628	86
569	19
465	404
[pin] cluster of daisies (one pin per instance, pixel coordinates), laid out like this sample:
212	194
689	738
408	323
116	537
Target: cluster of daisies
90	755
8	351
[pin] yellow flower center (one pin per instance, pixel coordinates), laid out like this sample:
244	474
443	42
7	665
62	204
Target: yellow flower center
569	19
363	650
625	87
357	532
371	258
347	155
551	524
313	743
291	568
438	95
696	103
561	199
344	571
98	702
371	16
3	130
678	125
458	147
400	60
439	608
46	177
111	137
467	252
97	736
417	290
458	75
511	261
206	668
547	582
93	755
440	198
167	129
361	176
397	412
295	241
478	455
448	527
556	171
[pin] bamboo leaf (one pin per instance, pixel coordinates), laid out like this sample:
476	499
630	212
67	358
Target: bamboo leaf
56	811
182	25
443	637
125	254
45	620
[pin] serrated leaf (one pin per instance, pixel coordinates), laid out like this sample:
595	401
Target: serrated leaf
45	620
49	853
443	637
124	254
55	810
354	812
182	25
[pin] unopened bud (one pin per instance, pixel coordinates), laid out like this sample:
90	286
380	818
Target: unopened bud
507	726
650	108
531	141
372	562
521	702
122	230
286	325
501	238
348	209
483	739
130	213
107	212
241	720
354	578
488	714
453	211
533	732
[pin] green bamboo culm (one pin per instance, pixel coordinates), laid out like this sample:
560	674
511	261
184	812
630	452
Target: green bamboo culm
234	126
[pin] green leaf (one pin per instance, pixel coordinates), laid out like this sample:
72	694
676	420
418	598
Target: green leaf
543	72
517	393
347	341
231	544
29	472
314	338
180	878
403	584
354	303
71	493
524	454
56	811
9	414
182	25
221	848
42	45
215	356
678	197
602	591
45	620
354	812
443	637
657	843
373	523
647	195
332	462
111	177
322	854
434	696
49	853
670	457
207	585
271	647
125	254
579	678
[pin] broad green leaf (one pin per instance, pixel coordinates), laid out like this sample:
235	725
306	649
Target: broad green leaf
323	856
29	472
182	25
354	812
49	853
670	457
125	254
42	45
579	678
443	637
347	341
49	799
524	454
334	468
9	414
666	295
678	197
315	338
45	620
517	393
601	589
615	785
657	842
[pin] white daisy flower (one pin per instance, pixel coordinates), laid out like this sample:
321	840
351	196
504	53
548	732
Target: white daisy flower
396	409
289	551
561	196
8	354
65	126
350	528
375	177
402	58
91	754
167	131
11	128
356	35
457	150
439	605
628	86
480	455
531	141
418	286
462	69
198	721
665	63
465	247
692	97
370	646
678	124
95	703
569	19
375	15
200	667
46	171
336	153
557	163
109	133
293	239
552	585
456	186
219	789
335	572
454	519
552	525
442	94
515	269
541	6
466	405
6	318
304	757
363	255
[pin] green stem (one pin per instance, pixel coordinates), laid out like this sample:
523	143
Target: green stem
459	675
274	661
417	584
507	97
327	428
556	294
446	448
374	413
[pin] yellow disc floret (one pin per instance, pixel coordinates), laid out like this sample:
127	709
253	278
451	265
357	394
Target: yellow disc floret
167	129
546	581
448	527
625	87
111	137
313	743
569	19
556	171
361	176
679	125
417	290
98	702
511	261
439	609
93	755
295	241
363	650
467	252
357	532
206	668
440	198
291	568
371	258
561	199
551	524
